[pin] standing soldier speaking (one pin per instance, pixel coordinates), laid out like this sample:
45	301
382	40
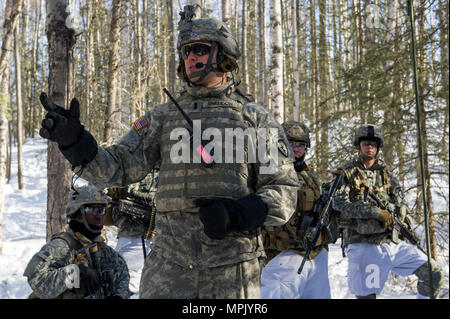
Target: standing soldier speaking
208	239
372	242
285	245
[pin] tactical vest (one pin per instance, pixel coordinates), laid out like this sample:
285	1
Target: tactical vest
359	179
181	183
366	230
290	235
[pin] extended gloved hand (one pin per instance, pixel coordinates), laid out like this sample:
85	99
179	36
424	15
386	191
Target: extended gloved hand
89	278
60	125
386	218
63	126
219	216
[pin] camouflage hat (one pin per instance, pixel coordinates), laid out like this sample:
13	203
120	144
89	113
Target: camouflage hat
208	29
368	131
296	131
82	196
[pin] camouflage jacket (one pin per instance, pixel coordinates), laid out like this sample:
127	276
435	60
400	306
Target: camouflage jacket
290	236
142	193
358	213
53	271
179	230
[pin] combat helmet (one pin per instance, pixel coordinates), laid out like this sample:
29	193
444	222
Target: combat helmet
368	131
84	195
296	131
211	30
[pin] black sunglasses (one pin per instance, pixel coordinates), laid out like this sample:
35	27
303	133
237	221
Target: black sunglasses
199	49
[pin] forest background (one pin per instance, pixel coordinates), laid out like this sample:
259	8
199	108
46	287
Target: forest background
330	64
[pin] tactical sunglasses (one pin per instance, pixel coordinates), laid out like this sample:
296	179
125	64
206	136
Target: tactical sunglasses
199	49
367	143
297	144
95	210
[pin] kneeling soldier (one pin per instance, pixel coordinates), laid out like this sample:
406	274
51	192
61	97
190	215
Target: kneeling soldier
77	264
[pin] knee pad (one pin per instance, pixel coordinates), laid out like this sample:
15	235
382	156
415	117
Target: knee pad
423	285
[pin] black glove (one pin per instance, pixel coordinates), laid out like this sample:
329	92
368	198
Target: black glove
60	125
89	278
63	127
220	216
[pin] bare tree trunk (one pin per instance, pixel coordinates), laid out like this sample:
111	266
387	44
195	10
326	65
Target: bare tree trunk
263	80
113	70
12	12
225	11
294	57
324	108
19	122
171	31
244	49
276	57
60	84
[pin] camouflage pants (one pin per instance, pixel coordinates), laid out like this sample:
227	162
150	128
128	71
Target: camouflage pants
162	279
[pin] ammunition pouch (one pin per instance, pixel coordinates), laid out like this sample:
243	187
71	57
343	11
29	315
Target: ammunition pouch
306	199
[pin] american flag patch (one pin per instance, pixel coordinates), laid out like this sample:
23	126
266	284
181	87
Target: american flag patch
140	123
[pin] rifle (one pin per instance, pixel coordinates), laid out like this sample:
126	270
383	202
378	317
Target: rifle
399	226
207	161
106	281
323	222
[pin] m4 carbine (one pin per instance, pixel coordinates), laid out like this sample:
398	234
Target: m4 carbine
399	226
324	209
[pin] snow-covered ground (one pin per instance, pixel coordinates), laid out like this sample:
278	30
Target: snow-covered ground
23	234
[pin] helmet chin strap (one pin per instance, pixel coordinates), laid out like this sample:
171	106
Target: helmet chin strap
208	69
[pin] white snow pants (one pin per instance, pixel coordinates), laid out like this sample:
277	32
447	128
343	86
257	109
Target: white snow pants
279	278
130	248
369	265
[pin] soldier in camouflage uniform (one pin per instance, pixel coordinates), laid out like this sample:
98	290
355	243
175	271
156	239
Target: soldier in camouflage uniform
284	245
132	211
373	250
77	263
208	239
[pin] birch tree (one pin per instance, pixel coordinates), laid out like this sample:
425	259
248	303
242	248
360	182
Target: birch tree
19	122
12	12
276	61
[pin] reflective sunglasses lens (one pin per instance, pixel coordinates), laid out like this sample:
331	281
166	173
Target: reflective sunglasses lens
95	210
199	49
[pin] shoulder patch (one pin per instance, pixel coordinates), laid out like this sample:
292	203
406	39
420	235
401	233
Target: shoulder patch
283	148
140	123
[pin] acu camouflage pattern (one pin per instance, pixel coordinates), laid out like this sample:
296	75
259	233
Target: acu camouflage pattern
142	192
359	215
50	269
424	284
208	29
180	237
289	236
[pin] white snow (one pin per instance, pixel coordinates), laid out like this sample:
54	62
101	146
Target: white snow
23	234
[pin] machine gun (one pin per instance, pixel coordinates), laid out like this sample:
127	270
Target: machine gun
324	209
399	226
